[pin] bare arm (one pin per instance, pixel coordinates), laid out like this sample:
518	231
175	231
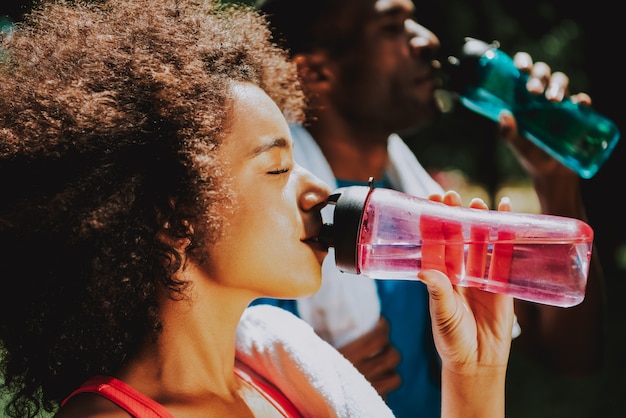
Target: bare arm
472	332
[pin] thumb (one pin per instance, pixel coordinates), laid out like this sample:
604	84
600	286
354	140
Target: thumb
507	125
443	300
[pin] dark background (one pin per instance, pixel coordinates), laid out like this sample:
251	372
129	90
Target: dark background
585	40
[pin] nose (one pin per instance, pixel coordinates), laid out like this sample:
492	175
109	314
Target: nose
421	37
313	192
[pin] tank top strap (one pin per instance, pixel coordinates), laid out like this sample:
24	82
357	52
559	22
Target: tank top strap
139	405
267	390
132	401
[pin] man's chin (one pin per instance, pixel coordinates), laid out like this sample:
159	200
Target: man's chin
421	124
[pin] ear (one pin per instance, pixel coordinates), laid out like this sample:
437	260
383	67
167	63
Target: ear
174	235
169	239
315	71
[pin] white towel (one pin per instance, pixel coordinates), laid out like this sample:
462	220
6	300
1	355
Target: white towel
310	372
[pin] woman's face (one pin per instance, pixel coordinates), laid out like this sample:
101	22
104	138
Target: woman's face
268	244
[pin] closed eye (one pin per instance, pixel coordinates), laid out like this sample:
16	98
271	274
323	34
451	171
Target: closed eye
280	171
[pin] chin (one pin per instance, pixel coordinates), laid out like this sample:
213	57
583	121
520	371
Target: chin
425	119
309	289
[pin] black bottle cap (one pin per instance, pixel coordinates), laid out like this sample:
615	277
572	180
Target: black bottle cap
343	233
462	70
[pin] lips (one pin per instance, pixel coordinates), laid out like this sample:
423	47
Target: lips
314	243
312	240
430	74
428	78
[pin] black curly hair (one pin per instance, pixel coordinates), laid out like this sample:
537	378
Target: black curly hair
111	115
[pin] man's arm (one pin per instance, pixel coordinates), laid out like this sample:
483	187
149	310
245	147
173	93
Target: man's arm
569	341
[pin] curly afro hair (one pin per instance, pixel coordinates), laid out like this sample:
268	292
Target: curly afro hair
112	112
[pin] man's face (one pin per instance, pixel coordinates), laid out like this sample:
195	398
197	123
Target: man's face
387	78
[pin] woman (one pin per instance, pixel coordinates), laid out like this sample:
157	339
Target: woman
148	195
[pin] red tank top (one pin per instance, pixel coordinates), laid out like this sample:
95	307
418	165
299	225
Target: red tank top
141	406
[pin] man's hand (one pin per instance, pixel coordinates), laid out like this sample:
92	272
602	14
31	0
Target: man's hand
555	87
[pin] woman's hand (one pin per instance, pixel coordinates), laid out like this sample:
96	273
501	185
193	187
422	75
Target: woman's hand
472	331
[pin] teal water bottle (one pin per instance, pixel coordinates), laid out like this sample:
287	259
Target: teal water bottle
488	82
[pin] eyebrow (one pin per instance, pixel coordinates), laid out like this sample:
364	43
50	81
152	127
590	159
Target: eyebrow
274	143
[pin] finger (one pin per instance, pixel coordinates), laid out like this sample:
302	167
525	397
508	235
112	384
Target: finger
502	253
583	98
452	198
478	249
436	198
507	126
383	363
505	204
441	293
478	203
523	61
436	254
455	250
539	78
386	383
433	247
454	240
369	344
557	86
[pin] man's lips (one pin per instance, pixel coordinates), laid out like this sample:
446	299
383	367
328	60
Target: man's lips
429	75
428	78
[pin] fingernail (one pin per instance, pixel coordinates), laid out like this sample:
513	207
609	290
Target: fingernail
535	85
554	93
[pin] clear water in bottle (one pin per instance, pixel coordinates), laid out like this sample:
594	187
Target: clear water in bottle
392	235
552	273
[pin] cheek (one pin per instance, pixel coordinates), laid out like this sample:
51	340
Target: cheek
254	239
265	255
265	234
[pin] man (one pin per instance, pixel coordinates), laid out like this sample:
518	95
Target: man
368	70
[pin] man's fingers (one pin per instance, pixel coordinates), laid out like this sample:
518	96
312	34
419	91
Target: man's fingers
383	363
368	345
386	383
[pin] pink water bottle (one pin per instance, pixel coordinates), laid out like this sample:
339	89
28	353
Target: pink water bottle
385	234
